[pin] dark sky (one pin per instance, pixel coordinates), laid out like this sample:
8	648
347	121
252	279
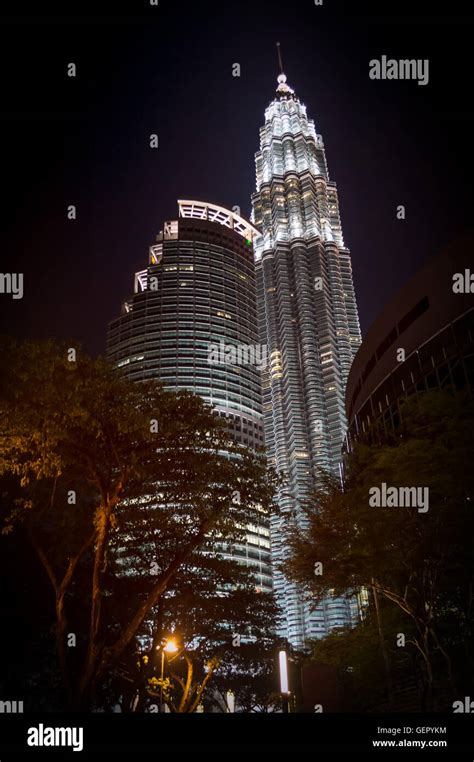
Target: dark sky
168	70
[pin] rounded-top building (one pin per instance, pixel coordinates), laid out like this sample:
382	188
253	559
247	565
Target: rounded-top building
192	324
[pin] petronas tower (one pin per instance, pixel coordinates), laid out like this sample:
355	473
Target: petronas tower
308	319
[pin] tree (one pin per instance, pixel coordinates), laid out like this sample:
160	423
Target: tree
421	562
213	610
82	443
357	655
251	675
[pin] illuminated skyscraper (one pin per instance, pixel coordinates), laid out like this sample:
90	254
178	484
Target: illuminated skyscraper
196	297
308	319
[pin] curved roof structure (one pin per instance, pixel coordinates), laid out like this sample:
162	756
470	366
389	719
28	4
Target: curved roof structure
202	210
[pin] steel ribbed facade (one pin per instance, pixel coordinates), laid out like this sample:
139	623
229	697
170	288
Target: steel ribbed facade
308	318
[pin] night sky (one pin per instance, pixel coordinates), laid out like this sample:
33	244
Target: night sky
168	70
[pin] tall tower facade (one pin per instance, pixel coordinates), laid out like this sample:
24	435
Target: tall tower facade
192	324
308	319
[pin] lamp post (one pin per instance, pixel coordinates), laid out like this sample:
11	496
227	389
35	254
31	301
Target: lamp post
171	648
284	686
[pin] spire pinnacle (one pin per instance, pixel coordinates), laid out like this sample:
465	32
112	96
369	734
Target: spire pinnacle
280	63
283	88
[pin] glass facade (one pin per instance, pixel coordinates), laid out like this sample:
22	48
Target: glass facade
198	292
308	317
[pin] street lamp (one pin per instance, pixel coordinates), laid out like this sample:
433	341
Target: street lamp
284	686
171	648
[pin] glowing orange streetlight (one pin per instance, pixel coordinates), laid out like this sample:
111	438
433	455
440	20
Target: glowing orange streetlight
170	647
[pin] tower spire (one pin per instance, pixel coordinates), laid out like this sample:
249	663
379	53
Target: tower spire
283	88
280	63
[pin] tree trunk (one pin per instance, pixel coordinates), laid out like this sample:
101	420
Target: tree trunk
386	660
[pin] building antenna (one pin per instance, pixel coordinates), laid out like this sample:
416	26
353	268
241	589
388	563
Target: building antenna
279	58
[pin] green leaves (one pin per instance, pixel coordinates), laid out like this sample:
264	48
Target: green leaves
97	466
420	562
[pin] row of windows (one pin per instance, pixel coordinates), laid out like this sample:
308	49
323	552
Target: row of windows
406	321
211	253
381	412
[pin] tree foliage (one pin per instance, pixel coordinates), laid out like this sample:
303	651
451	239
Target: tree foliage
421	562
91	462
212	610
